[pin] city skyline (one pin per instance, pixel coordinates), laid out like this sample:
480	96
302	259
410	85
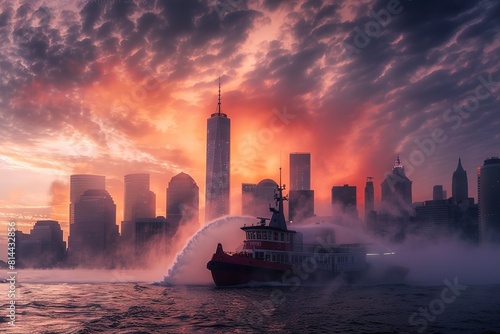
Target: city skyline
144	111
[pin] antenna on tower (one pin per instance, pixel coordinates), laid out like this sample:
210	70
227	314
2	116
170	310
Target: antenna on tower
280	169
218	104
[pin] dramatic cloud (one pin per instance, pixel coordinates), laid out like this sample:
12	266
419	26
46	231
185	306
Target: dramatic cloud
113	87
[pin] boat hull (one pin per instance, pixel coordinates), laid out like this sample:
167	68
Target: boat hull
231	274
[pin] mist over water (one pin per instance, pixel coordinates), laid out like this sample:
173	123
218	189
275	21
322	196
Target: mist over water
429	263
81	275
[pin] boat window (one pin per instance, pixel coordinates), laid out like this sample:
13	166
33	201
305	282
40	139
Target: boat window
282	236
275	235
264	235
259	235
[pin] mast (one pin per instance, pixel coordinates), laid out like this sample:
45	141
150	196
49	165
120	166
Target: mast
278	217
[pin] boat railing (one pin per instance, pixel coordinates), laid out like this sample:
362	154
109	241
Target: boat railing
333	247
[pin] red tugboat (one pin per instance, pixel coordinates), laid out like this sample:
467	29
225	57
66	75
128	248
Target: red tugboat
273	253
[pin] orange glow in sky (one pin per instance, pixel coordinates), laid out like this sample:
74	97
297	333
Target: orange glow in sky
103	91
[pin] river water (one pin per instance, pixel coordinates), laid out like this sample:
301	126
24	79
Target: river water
121	302
450	288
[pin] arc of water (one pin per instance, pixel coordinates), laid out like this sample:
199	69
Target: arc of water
179	259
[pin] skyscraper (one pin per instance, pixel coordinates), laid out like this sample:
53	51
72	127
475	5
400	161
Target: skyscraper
139	202
345	197
437	193
79	183
369	197
488	189
396	189
43	247
459	185
182	200
437	217
217	176
94	232
301	197
300	171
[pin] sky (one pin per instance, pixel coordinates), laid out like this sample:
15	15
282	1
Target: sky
118	87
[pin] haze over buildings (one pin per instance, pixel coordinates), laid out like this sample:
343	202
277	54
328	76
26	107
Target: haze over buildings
80	183
257	198
43	247
300	194
139	202
369	197
397	190
183	200
344	197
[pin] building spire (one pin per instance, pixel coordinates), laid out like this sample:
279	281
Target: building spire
460	168
218	104
397	163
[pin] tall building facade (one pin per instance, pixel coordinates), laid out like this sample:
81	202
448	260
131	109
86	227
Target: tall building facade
79	183
459	184
438	193
218	157
257	198
396	190
300	196
94	232
345	197
182	200
139	202
300	171
369	198
438	217
488	188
